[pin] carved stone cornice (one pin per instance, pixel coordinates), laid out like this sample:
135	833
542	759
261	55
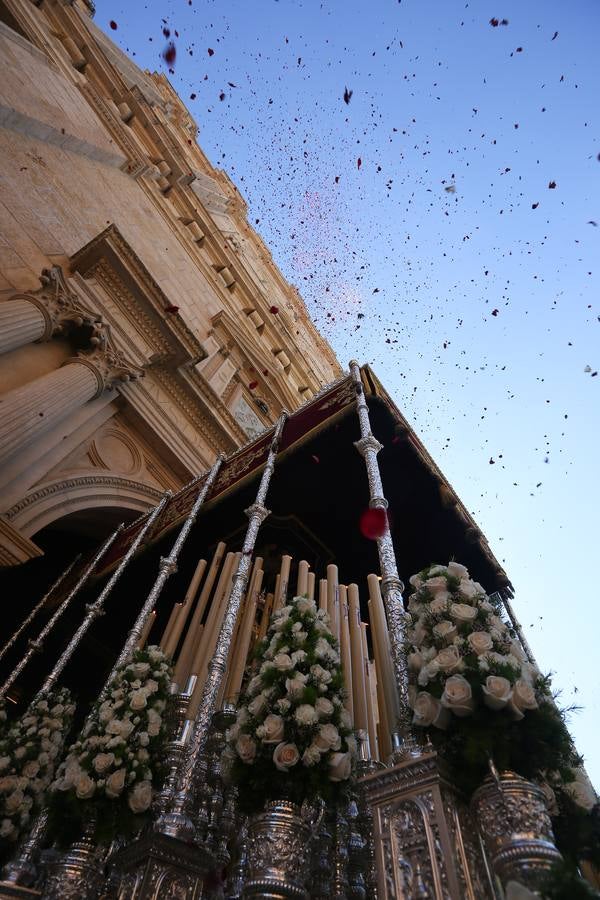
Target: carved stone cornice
112	261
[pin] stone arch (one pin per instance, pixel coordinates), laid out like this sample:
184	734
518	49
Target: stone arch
60	497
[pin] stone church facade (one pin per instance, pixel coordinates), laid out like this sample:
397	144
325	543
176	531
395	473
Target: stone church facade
144	327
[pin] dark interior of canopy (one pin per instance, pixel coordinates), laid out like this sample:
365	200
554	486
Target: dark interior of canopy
317	494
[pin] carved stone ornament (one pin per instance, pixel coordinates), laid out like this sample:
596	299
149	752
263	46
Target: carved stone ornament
277	848
514	821
61	307
106	362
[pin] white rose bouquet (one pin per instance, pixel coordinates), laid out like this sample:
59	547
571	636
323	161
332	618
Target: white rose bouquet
29	752
472	686
115	763
292	736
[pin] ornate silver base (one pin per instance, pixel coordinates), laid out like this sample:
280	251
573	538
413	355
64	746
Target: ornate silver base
516	828
157	866
426	843
278	847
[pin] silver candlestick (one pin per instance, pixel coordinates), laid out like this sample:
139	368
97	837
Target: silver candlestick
95	609
36	645
391	586
178	821
14	638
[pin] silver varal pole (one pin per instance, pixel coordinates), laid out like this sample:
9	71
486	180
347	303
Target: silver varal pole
27	621
95	609
391	586
168	565
176	821
36	645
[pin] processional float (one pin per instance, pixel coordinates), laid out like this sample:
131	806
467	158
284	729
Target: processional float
404	830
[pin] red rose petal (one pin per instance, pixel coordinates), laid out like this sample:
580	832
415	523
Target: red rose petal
373	523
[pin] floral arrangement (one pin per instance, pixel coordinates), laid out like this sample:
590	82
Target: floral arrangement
472	685
292	736
29	751
110	771
473	688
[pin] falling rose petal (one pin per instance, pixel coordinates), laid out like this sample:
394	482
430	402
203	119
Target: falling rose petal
274	310
211	52
172	310
534	205
169	54
373	523
315	458
113	24
347	95
253	385
359	162
495	312
551	185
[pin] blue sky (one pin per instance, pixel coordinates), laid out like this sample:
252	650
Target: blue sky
477	306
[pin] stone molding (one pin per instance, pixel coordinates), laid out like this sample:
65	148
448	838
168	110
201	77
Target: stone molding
57	498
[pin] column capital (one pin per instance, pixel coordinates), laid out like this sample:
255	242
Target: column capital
60	305
106	362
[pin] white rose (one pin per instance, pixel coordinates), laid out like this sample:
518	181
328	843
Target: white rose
304	605
254	685
306	714
429	711
436	584
480	642
449	659
458	696
457	570
322	648
517	650
140	669
497	622
258	705
582	794
415	606
467	589
8	830
85	787
324	707
415	580
428	672
138	699
140	797
295	686
144	738
13	802
4	762
320	674
496	691
486	606
103	761
340	766
439	604
328	738
272	729
311	756
415	661
285	756
300	637
445	630
282	662
298	656
523	696
31	768
115	783
462	613
246	748
345	719
233	733
283	705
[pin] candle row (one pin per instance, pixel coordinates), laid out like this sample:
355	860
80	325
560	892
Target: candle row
192	630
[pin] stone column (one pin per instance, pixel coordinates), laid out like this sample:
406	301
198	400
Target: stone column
53	309
29	411
22	321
